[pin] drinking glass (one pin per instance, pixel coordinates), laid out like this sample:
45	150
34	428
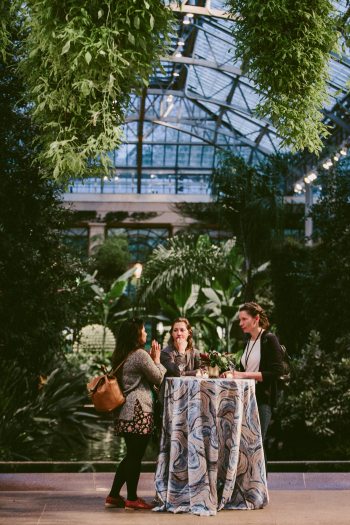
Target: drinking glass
182	367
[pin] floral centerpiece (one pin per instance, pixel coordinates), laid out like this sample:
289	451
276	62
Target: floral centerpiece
222	361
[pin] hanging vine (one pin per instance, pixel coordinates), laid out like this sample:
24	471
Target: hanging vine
284	46
84	58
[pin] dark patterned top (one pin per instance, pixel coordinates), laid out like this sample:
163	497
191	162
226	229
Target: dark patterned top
142	422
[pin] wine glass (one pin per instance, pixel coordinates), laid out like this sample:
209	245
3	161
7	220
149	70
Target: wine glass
204	371
181	367
232	366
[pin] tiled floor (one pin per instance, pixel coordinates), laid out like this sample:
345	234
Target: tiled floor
72	499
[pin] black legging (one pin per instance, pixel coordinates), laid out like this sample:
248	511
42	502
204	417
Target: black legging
129	469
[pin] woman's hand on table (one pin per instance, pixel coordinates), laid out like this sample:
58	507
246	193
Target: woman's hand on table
233	375
155	352
257	376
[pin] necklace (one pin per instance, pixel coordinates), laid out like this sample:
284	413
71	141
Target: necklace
249	351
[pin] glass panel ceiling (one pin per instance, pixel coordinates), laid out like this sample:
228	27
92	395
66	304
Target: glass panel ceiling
201	103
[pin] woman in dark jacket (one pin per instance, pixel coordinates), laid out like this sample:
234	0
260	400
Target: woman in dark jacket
261	360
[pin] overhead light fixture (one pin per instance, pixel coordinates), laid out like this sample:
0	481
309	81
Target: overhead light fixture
298	188
178	54
181	43
105	177
176	74
326	165
311	177
343	152
186	20
116	178
169	98
190	15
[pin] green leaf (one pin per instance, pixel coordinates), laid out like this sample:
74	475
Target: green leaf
151	21
100	13
131	38
66	47
211	295
137	22
116	290
88	57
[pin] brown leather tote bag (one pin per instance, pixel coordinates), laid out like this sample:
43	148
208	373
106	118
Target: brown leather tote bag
105	391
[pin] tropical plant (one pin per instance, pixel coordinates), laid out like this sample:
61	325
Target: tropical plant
284	47
37	274
47	425
307	294
183	261
5	35
317	404
250	200
83	59
111	259
106	302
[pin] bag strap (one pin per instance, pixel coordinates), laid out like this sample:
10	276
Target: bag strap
113	370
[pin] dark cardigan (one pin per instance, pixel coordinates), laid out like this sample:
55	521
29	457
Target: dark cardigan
167	358
271	369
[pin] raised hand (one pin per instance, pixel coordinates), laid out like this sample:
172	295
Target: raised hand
155	351
181	344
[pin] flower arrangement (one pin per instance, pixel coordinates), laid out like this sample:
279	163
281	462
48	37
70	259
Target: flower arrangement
223	360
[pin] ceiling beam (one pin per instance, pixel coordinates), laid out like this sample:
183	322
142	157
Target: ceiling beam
202	63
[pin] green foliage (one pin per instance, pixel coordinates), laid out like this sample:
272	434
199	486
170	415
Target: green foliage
105	303
116	216
201	281
292	286
250	201
111	259
84	58
284	46
37	275
5	36
318	400
330	271
223	360
47	424
312	284
183	260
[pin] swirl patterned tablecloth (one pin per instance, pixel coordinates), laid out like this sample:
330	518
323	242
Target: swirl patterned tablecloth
211	454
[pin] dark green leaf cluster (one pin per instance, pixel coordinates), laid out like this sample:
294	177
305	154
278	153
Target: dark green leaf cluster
111	259
45	425
250	203
83	60
284	46
319	395
184	259
37	273
312	284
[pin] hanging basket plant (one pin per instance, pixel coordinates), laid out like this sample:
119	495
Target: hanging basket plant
284	47
84	58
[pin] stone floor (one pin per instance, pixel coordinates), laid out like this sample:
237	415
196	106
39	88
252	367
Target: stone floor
72	499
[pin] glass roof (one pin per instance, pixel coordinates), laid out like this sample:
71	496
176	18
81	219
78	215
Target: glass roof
200	103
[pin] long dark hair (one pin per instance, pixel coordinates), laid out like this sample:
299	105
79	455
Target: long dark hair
190	332
128	339
254	309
